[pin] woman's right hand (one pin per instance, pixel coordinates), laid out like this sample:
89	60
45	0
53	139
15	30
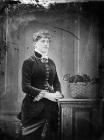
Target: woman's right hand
50	96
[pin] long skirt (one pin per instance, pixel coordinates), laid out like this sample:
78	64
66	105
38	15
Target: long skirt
45	127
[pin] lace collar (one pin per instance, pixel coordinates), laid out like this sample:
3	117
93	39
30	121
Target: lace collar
39	56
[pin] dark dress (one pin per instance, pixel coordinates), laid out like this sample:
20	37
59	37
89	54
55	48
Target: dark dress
37	76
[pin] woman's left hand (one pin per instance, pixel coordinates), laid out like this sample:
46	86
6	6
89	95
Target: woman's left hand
58	95
40	96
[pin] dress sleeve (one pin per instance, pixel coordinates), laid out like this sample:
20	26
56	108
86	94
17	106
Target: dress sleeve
56	83
26	80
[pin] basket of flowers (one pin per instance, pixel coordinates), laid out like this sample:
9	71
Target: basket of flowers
82	86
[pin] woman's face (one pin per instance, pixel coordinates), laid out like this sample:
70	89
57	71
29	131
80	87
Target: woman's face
42	45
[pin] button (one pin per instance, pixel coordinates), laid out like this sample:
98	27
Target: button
47	72
47	79
46	66
45	84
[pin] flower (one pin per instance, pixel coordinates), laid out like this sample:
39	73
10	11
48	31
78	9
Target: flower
79	78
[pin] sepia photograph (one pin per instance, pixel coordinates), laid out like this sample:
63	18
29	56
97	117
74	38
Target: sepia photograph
51	70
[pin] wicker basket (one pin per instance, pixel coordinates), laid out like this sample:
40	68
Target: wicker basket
83	90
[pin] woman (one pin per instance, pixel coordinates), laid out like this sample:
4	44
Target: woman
40	82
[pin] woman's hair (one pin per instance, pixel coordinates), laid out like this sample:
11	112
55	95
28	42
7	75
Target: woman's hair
41	34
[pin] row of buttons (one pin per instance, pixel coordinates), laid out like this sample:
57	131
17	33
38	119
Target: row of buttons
47	76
